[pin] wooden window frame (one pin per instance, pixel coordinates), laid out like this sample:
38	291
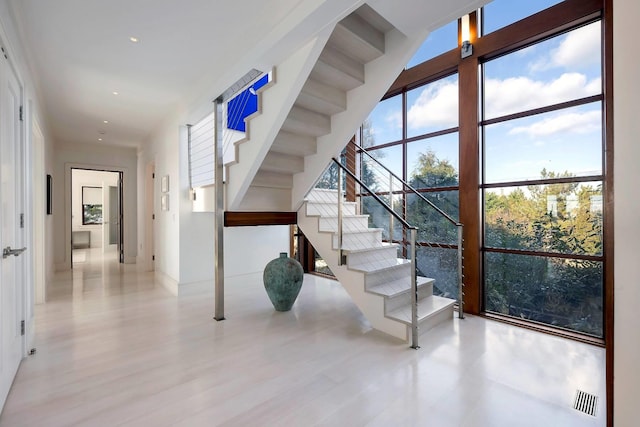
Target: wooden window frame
542	25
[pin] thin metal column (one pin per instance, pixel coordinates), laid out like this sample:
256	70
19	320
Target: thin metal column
460	273
340	213
391	206
414	290
219	211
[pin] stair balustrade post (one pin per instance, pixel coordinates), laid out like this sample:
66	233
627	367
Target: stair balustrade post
414	290
460	275
340	207
391	206
218	240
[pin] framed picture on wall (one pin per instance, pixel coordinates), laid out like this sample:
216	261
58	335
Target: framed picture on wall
49	194
164	202
91	205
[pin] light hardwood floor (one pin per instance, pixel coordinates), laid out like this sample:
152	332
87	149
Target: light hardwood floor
114	348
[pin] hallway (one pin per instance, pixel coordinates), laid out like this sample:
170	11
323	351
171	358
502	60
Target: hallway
115	348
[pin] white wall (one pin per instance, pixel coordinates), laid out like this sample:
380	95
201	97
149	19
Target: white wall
10	40
98	157
627	211
86	178
161	150
183	239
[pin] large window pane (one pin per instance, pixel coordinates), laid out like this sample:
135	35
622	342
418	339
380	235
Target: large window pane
442	265
561	69
439	41
433	162
432	226
500	13
562	218
380	217
374	175
565	142
384	124
565	293
433	107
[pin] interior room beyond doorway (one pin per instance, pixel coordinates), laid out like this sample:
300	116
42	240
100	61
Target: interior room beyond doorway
96	212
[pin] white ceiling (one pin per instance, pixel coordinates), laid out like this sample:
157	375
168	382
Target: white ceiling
189	52
80	53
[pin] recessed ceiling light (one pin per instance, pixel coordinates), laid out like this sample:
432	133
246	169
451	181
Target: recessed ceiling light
99	139
115	93
134	39
105	121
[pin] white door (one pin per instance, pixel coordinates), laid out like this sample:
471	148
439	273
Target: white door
11	235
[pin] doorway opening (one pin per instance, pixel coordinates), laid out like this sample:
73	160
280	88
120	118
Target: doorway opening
97	231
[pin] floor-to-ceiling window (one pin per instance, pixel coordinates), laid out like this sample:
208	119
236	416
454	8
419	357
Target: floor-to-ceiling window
511	141
415	134
542	148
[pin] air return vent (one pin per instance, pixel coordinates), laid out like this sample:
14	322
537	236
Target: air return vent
586	402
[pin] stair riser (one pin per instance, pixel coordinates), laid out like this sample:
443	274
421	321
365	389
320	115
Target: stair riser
336	69
432	321
386	256
294	144
272	180
349	223
325	209
323	195
282	163
358	39
362	240
322	98
304	122
388	275
397	301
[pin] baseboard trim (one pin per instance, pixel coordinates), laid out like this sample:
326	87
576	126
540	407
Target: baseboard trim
167	282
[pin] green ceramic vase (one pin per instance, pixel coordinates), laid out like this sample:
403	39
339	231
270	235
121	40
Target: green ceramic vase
282	279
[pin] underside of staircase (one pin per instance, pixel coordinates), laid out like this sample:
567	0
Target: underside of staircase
376	278
335	65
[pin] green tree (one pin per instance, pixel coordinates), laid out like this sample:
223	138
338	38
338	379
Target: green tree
562	218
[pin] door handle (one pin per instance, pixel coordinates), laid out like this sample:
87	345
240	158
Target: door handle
7	252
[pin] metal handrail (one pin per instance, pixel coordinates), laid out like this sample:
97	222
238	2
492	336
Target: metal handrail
374	195
406	184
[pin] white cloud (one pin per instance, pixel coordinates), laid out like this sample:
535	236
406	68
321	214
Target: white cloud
577	123
522	93
579	49
437	105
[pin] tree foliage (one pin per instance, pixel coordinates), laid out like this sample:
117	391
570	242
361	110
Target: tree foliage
563	218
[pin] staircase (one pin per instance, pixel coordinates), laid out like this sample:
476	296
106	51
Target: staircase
319	96
328	73
374	276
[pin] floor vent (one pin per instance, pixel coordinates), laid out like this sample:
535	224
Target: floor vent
586	402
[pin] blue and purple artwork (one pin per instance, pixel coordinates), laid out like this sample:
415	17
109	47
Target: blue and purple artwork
244	104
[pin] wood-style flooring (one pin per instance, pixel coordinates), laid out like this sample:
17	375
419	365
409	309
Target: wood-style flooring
115	349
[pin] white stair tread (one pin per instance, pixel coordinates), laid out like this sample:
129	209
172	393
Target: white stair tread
426	307
399	286
328	202
344	216
375	248
371	267
363	231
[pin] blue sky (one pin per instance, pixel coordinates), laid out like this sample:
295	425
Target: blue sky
564	68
